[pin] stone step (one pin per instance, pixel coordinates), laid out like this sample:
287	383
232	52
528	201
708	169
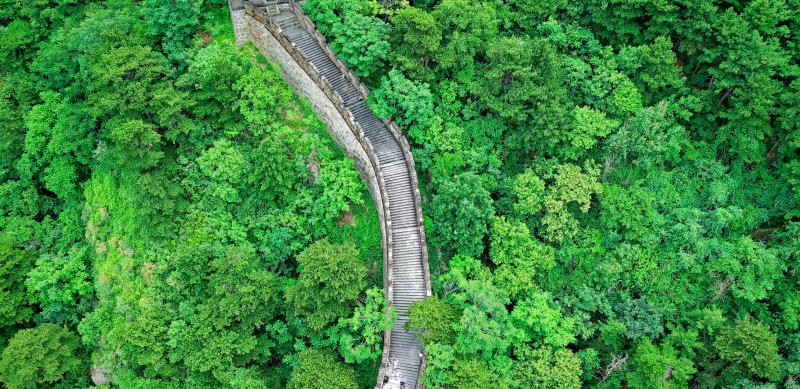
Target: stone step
400	298
406	274
388	153
393	186
390	159
405	263
418	294
399	204
405	215
401	241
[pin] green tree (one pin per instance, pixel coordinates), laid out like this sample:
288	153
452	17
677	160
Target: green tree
62	285
137	83
641	319
330	280
409	103
226	295
749	267
518	256
277	176
44	356
224	165
651	66
467	28
469	373
485	327
433	320
259	105
461	213
529	190
651	138
58	145
589	127
339	186
362	42
415	25
522	83
174	23
543	323
527	14
749	348
568	187
14	266
319	369
546	368
211	74
361	335
658	367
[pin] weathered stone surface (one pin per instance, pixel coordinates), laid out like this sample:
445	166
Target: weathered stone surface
303	85
239	28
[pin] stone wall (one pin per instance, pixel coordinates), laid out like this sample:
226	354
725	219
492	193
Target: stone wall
299	80
238	20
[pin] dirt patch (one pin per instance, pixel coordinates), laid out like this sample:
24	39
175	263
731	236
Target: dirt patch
206	37
347	219
100	376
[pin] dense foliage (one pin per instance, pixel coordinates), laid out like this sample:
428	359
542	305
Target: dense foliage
611	187
166	202
611	191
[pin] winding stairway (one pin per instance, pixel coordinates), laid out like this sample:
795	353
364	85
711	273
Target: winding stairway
406	273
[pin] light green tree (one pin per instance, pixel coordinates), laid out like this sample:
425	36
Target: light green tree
659	367
331	278
545	367
320	369
433	320
361	335
543	323
14	265
43	356
749	348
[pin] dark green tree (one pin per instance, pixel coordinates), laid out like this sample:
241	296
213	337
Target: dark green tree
14	266
461	213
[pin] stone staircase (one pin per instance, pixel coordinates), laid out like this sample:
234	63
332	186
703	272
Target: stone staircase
407	280
408	274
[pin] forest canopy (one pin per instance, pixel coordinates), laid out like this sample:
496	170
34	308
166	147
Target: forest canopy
611	193
610	187
166	200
